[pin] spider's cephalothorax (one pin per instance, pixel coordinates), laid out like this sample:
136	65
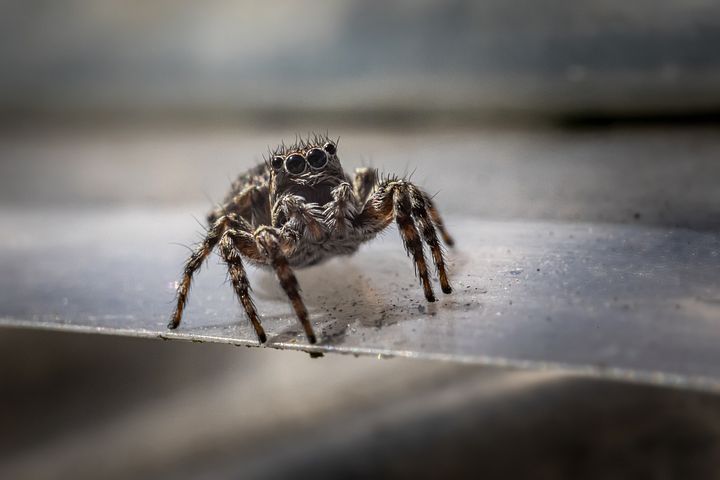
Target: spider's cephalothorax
299	208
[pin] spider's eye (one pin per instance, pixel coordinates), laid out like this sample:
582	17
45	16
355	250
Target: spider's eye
330	148
295	164
317	158
276	162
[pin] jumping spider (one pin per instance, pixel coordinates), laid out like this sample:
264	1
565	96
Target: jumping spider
299	208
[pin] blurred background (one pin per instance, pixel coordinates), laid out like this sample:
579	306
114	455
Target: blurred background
585	111
245	58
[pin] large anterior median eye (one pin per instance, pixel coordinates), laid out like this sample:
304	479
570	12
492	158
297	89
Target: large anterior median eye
295	164
317	158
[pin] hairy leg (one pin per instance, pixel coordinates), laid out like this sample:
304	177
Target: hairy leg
364	182
389	200
243	240
269	243
193	264
340	212
295	214
402	206
408	205
422	217
238	277
435	215
264	246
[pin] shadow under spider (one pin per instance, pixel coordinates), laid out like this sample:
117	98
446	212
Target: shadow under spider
342	297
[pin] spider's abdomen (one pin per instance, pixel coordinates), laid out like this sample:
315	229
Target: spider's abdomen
257	179
258	176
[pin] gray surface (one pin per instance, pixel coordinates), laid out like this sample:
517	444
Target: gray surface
628	301
621	225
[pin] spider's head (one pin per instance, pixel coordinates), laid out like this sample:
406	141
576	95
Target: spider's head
309	168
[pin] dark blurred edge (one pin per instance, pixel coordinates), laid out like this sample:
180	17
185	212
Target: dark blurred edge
373	118
475	421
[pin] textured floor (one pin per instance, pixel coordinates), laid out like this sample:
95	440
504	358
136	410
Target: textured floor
630	301
591	251
595	251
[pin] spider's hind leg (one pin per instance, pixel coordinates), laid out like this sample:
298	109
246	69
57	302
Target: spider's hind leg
420	213
410	208
402	207
193	264
437	219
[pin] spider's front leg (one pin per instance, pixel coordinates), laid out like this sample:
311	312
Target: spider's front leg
234	237
270	243
409	206
232	243
339	213
299	216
